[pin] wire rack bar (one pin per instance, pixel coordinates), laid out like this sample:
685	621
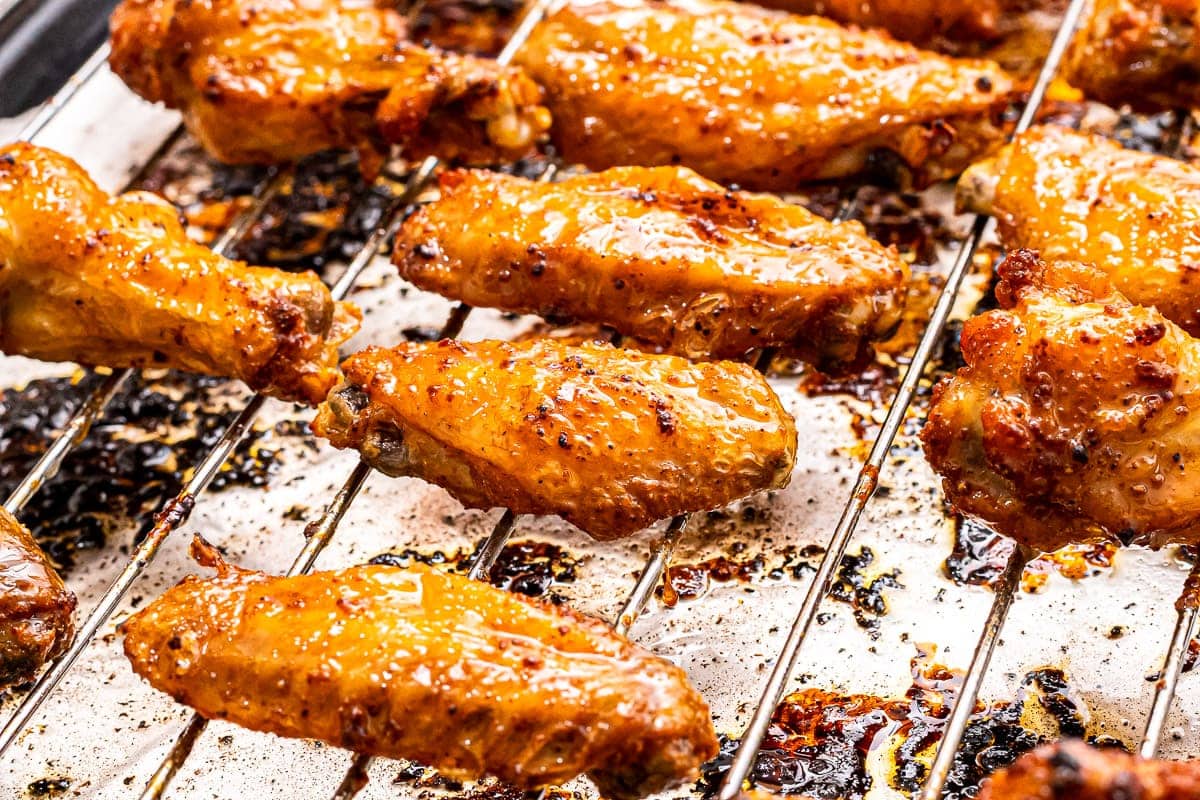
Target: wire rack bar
868	477
50	109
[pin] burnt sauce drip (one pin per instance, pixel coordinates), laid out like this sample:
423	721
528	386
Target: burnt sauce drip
527	567
431	784
824	744
131	463
980	555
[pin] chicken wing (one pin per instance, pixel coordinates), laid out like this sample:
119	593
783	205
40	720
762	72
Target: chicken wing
755	97
920	21
264	81
1142	52
36	608
607	439
662	255
1071	770
115	281
1072	419
423	665
1075	196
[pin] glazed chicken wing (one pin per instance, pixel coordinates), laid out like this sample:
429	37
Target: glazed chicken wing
36	608
662	255
755	97
1072	419
1073	771
1081	197
1142	52
264	81
422	665
920	21
115	281
607	439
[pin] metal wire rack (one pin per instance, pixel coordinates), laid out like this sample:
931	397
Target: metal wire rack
321	531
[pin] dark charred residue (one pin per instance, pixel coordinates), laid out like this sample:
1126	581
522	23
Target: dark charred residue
132	462
526	567
863	591
436	785
875	384
980	555
49	787
819	742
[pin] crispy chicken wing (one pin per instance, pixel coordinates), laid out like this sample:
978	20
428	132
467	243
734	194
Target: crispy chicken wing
1142	52
115	281
36	608
1081	197
274	80
1072	419
423	665
1071	770
662	255
607	439
742	94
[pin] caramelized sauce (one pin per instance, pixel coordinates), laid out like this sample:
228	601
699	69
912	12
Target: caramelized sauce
979	557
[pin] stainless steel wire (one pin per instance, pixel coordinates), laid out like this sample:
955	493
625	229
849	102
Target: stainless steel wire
868	476
51	108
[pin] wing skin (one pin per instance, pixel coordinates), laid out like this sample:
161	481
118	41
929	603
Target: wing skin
1073	417
266	81
662	255
1142	52
920	21
115	281
422	665
755	97
607	439
36	609
1071	770
1081	197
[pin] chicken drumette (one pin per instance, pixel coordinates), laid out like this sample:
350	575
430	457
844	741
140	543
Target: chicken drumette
36	608
273	80
423	665
610	440
755	97
1072	419
1081	197
662	255
115	281
1072	770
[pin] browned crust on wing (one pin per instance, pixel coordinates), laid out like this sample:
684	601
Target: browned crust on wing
427	666
115	281
36	608
662	255
610	440
1071	770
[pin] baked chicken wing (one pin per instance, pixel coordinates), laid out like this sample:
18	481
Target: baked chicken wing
36	608
659	254
115	281
607	439
265	81
1081	197
1142	52
755	97
422	665
920	21
1071	770
1072	419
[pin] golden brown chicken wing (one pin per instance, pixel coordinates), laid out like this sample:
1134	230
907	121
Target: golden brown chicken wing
920	21
422	665
607	439
1071	770
1072	419
36	608
1080	197
273	80
755	97
662	255
115	281
1142	52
